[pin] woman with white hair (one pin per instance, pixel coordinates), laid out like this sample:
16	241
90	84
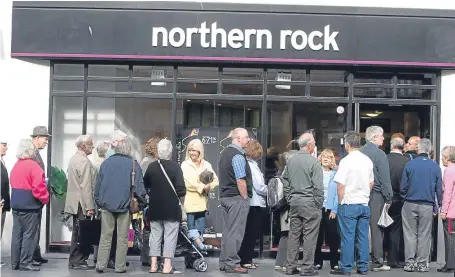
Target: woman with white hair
164	183
197	189
29	195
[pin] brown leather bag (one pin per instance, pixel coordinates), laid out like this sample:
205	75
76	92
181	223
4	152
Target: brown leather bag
134	204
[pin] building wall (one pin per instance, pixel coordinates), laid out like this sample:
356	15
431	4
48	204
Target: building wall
24	85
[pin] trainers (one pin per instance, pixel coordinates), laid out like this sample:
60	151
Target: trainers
409	267
422	267
381	268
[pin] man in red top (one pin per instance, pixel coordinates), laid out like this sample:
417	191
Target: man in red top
29	195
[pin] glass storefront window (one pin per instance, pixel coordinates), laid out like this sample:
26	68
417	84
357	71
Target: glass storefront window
96	70
289	82
410	93
153	79
373	92
373	77
72	70
66	127
317	91
236	74
200	80
329	76
140	118
68	86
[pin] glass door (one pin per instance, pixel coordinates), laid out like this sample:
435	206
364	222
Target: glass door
410	120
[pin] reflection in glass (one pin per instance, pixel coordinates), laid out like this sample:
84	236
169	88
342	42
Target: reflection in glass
331	76
108	70
286	89
205	73
68	86
317	91
373	77
66	127
198	88
409	93
373	92
242	89
69	70
252	74
108	86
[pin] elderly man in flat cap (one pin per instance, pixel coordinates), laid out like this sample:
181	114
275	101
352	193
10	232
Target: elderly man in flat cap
40	138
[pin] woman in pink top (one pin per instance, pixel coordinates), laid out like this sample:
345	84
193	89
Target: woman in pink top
448	206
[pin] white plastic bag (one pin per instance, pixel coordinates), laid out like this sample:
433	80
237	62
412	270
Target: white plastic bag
385	220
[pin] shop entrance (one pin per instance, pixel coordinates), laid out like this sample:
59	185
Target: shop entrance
410	120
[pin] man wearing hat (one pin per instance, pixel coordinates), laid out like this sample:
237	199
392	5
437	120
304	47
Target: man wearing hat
40	139
4	179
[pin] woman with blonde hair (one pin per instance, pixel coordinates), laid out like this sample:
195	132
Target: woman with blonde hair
200	179
328	226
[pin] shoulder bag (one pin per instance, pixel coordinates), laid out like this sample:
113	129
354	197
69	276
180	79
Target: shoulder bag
184	217
134	204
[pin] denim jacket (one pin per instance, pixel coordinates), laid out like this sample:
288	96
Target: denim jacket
332	194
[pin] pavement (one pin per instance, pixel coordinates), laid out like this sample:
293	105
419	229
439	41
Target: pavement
58	267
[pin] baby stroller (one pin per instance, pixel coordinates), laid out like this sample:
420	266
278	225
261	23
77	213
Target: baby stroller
186	247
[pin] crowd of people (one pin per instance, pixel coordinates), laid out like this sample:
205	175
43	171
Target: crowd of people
338	203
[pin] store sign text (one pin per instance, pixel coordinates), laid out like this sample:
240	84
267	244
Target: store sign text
210	37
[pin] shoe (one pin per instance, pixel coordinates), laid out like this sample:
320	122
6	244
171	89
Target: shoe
409	268
362	272
121	271
2	265
381	268
222	268
41	260
111	265
15	267
445	270
339	271
82	266
99	270
238	270
35	263
422	267
318	267
146	264
29	267
309	272
291	270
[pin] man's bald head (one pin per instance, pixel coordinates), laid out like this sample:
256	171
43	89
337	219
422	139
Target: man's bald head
240	137
413	143
306	142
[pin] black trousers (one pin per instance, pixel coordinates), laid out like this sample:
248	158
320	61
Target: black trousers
252	231
396	242
114	244
328	230
79	252
37	252
24	237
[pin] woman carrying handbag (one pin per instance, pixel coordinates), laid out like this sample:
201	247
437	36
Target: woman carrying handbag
164	182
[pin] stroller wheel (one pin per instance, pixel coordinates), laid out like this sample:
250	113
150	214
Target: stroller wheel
200	265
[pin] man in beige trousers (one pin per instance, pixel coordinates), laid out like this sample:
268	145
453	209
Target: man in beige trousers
79	199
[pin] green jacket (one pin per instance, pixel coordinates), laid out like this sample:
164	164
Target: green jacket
303	180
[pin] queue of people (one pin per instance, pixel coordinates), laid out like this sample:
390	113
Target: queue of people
336	204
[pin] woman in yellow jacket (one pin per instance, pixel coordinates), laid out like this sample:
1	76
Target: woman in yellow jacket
196	192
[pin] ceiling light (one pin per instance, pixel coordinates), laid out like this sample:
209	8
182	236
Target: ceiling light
283	77
372	114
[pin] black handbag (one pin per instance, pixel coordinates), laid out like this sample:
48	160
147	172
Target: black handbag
206	177
89	231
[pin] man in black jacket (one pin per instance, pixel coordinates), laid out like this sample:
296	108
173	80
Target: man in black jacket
5	196
397	163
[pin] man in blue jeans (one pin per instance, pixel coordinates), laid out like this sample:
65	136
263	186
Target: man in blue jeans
355	179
